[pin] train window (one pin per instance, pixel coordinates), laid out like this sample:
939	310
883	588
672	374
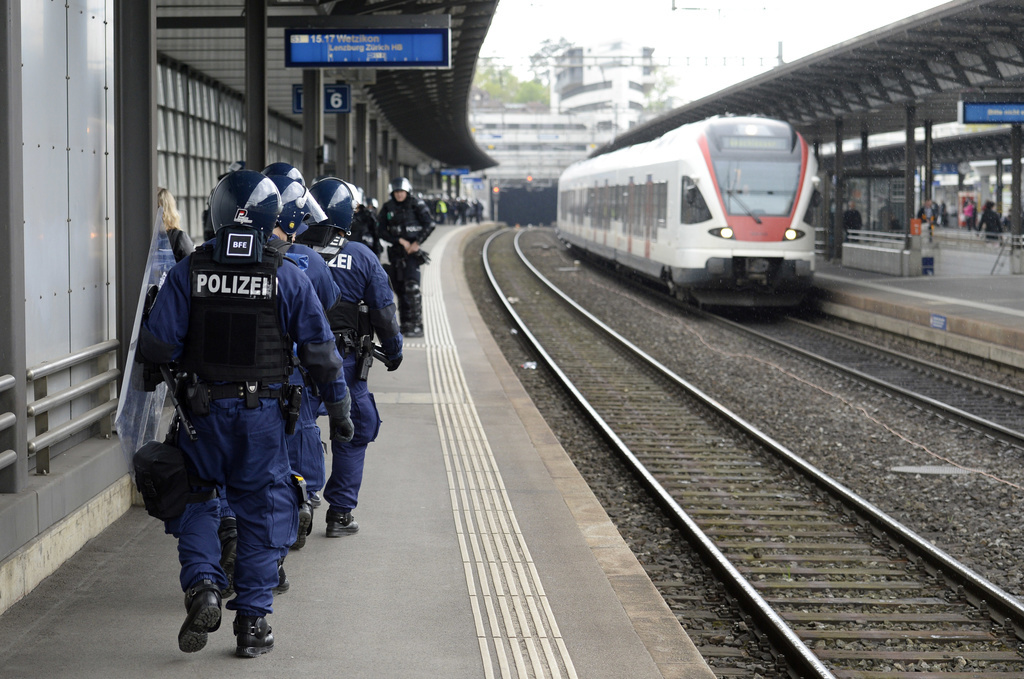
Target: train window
660	208
694	208
758	187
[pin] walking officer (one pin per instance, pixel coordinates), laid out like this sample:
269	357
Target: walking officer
404	222
305	447
366	307
227	316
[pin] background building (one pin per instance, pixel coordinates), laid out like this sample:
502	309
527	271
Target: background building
595	93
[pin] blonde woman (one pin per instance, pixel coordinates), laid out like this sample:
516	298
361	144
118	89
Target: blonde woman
181	244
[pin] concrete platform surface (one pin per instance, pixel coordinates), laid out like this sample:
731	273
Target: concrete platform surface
982	315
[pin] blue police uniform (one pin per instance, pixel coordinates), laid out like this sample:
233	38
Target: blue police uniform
305	446
361	279
243	448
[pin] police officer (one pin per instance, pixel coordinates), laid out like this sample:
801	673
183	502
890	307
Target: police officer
404	222
227	316
366	307
364	223
305	448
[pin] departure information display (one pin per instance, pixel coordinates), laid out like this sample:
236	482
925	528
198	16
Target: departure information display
992	113
756	143
375	48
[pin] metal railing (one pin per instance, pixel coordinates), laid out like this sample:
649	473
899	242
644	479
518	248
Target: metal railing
880	239
39	408
7	420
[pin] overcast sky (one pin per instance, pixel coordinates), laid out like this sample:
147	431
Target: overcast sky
696	29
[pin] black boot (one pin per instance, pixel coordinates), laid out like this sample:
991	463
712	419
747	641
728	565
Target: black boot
282	580
202	601
339	524
305	525
228	533
414	302
253	635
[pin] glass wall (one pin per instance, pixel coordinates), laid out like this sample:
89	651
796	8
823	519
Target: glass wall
201	132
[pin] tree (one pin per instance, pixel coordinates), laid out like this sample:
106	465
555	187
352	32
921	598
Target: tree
658	98
501	85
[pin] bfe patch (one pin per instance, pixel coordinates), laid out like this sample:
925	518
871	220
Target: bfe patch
240	245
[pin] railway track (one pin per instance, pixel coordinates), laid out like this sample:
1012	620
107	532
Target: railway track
995	409
835	587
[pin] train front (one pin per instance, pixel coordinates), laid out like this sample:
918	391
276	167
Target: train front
758	247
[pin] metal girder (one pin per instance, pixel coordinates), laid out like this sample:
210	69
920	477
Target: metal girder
926	60
427	108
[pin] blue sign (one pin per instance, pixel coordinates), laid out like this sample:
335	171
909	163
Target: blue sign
337	98
376	48
991	113
454	171
938	322
946	168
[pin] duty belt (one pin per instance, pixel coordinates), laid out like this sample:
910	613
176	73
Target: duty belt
239	390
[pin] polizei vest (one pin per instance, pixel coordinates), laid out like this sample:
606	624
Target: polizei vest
233	332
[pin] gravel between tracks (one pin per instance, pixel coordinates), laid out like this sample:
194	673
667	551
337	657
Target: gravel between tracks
851	432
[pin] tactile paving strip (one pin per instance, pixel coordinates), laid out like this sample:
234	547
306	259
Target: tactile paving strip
517	631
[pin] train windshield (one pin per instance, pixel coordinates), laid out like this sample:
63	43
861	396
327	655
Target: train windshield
757	187
757	164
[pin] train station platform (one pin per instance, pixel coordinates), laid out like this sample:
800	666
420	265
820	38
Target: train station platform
965	307
481	552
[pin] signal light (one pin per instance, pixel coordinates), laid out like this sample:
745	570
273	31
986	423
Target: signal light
529	177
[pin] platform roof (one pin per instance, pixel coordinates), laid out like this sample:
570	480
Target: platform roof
428	108
930	60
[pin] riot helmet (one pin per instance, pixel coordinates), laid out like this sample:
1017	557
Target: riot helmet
400	184
246	198
300	209
336	198
284	170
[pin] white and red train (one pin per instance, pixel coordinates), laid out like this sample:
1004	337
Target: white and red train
718	211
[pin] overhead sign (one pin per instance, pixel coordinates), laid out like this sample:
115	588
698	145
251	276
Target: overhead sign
454	171
990	112
337	98
375	48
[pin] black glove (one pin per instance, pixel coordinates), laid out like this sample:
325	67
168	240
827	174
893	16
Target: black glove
393	363
342	429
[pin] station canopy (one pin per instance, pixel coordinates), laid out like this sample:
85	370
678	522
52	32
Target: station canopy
972	48
429	108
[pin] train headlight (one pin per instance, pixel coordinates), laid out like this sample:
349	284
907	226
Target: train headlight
724	232
793	234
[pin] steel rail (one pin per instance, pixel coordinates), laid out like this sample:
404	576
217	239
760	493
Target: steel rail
789	645
994	429
1003	607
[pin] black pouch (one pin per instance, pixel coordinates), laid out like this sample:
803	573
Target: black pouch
198	398
163	480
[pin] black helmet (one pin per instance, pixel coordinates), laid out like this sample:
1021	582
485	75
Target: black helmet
284	170
299	206
245	198
335	197
400	184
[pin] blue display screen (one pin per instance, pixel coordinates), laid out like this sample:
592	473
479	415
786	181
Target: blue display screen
376	48
975	113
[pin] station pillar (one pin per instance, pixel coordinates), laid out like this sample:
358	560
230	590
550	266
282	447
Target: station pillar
255	84
910	168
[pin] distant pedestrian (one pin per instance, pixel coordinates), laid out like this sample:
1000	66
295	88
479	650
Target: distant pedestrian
990	222
181	244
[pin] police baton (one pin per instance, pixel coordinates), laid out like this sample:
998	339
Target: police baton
172	388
